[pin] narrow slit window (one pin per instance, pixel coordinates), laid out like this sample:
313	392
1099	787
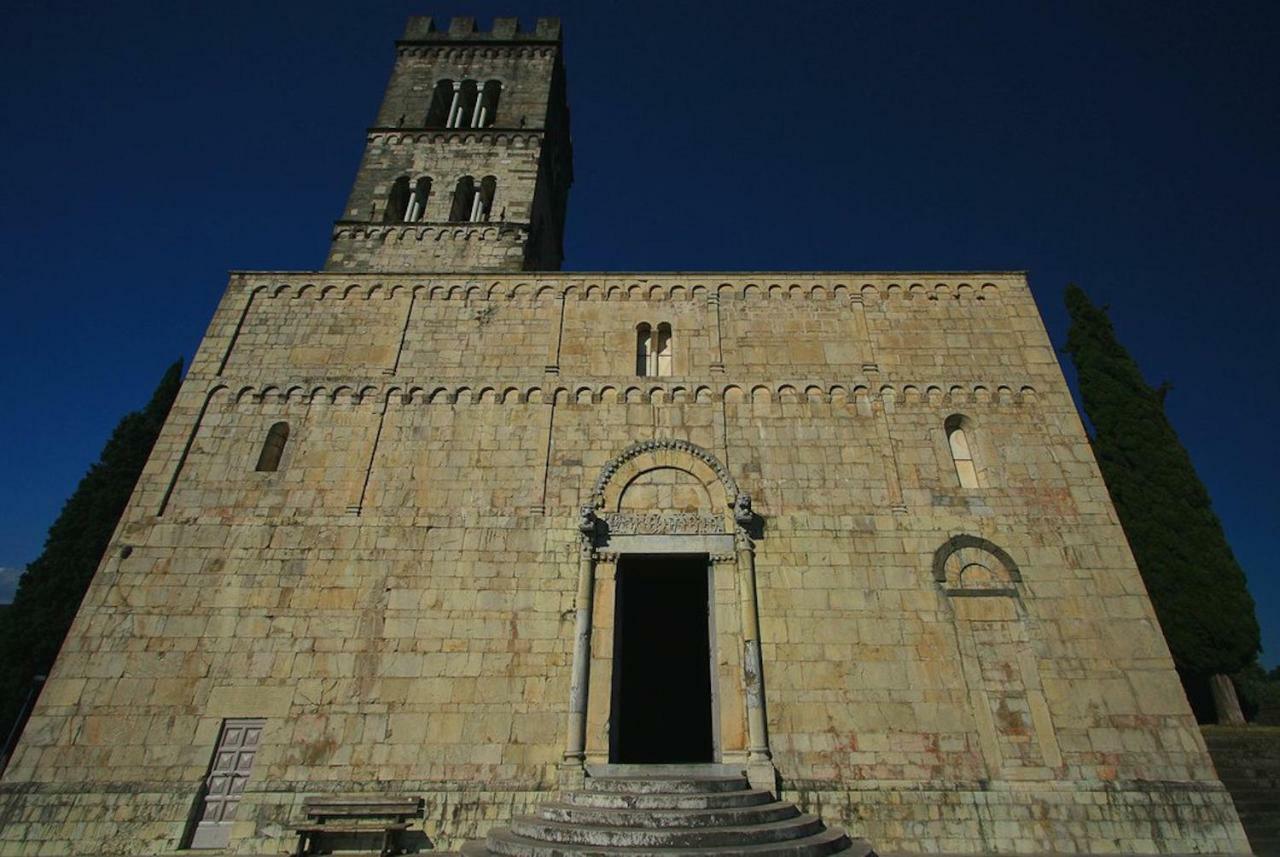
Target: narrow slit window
273	448
961	452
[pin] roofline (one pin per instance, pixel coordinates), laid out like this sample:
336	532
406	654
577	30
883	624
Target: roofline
640	274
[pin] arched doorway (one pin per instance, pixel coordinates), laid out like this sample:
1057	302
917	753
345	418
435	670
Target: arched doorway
667	657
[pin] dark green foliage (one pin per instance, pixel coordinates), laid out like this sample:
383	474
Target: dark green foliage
1197	587
50	590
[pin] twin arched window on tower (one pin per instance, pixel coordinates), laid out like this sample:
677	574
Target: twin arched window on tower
472	200
405	204
463	104
653	350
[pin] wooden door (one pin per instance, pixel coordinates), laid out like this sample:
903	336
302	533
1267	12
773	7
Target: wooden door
232	763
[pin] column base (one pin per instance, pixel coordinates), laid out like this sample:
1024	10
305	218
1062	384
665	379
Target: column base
572	775
763	775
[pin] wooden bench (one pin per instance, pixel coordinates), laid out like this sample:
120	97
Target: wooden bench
327	815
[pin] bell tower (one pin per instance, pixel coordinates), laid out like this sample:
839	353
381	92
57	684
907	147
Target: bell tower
469	163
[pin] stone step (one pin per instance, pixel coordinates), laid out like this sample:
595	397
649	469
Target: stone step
589	835
670	785
502	841
668	800
760	813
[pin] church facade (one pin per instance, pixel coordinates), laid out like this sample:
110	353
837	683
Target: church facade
441	520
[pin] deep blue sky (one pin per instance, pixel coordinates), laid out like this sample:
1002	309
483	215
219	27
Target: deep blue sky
1132	147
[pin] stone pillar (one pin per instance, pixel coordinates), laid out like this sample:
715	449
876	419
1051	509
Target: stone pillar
760	770
572	768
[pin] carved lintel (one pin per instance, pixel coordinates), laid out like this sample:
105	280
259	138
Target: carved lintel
662	523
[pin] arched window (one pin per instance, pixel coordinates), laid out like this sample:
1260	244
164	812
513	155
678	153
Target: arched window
273	448
397	201
653	350
442	104
487	106
416	209
662	350
464	200
464	105
644	336
961	453
482	207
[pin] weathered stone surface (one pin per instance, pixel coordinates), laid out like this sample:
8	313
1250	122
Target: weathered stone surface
420	599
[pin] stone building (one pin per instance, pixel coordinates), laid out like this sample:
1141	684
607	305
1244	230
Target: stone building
443	521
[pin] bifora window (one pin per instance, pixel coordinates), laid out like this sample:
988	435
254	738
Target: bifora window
463	104
473	202
405	205
653	350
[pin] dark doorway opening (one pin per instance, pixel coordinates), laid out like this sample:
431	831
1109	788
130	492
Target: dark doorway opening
662	707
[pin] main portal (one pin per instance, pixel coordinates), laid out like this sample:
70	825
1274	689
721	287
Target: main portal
662	691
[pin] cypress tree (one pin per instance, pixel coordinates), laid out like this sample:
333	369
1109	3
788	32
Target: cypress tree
50	590
1196	586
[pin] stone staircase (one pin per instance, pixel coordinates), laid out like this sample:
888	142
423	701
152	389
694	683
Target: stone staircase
1248	761
661	813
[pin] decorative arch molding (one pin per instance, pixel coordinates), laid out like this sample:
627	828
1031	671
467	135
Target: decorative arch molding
649	454
965	542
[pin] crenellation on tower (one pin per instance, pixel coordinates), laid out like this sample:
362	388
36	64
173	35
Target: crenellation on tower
422	28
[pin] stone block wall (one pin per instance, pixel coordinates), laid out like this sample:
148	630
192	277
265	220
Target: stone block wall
946	669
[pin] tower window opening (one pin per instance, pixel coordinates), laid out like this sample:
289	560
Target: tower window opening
487	104
442	104
482	207
397	201
416	208
961	453
653	350
464	105
473	202
464	196
273	448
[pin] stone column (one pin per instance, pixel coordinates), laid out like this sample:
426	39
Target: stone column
760	770
572	768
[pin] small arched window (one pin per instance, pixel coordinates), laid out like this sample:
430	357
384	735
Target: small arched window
482	207
273	448
662	350
644	337
464	199
961	452
416	209
464	105
397	201
442	104
487	105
